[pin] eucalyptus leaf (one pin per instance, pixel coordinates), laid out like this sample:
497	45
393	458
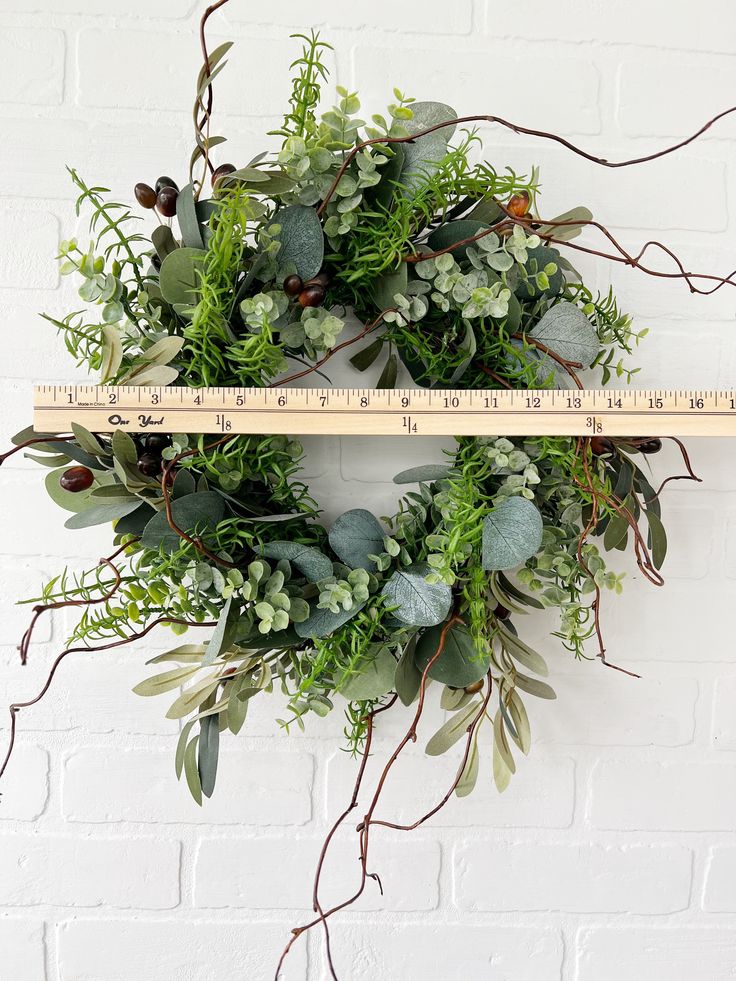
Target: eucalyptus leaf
372	679
459	664
452	232
424	474
417	602
566	330
193	512
355	536
388	284
302	240
179	275
408	679
71	501
422	157
136	521
320	623
312	563
512	533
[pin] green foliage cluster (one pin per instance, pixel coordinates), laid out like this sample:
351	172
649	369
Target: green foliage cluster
412	236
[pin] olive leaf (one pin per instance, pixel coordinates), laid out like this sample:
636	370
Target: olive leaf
566	330
302	240
367	355
512	533
417	602
208	753
565	233
112	352
459	664
355	536
314	565
159	684
186	214
195	512
152	376
100	515
163	241
222	635
469	776
372	679
453	730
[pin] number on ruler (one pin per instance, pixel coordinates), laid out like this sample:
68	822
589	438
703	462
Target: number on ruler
223	423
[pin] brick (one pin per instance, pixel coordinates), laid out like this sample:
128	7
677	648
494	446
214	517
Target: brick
273	873
656	796
458	77
576	878
254	787
417	952
21	579
724	720
23	949
125	873
719	895
656	115
31	66
126	950
628	22
133	8
29	239
541	793
436	17
596	707
256	81
25	786
677	954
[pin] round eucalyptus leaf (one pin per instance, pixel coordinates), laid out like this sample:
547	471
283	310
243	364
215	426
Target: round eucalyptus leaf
195	511
512	533
302	239
422	157
315	565
452	232
179	275
373	679
320	623
566	330
355	536
418	603
537	259
459	664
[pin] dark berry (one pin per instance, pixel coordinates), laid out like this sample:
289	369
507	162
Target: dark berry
312	296
650	446
224	170
518	204
600	445
145	196
157	442
166	201
156	260
472	689
166	182
321	279
293	285
77	479
501	613
149	465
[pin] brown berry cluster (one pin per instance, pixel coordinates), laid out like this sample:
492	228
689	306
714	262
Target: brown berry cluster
150	449
162	197
311	293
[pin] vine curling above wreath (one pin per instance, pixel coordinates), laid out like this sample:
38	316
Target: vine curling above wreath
454	275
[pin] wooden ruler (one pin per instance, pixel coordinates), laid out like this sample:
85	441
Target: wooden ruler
383	412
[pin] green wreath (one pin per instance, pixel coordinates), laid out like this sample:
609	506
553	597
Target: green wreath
456	277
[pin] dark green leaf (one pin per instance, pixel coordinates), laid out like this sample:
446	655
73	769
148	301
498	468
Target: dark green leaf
537	259
454	231
373	679
388	375
222	635
302	239
209	748
367	355
323	622
355	536
100	515
179	275
408	679
388	284
312	563
186	213
163	241
193	512
459	664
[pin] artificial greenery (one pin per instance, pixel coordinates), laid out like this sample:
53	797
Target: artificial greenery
445	258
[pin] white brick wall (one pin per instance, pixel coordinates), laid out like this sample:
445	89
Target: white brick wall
612	854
